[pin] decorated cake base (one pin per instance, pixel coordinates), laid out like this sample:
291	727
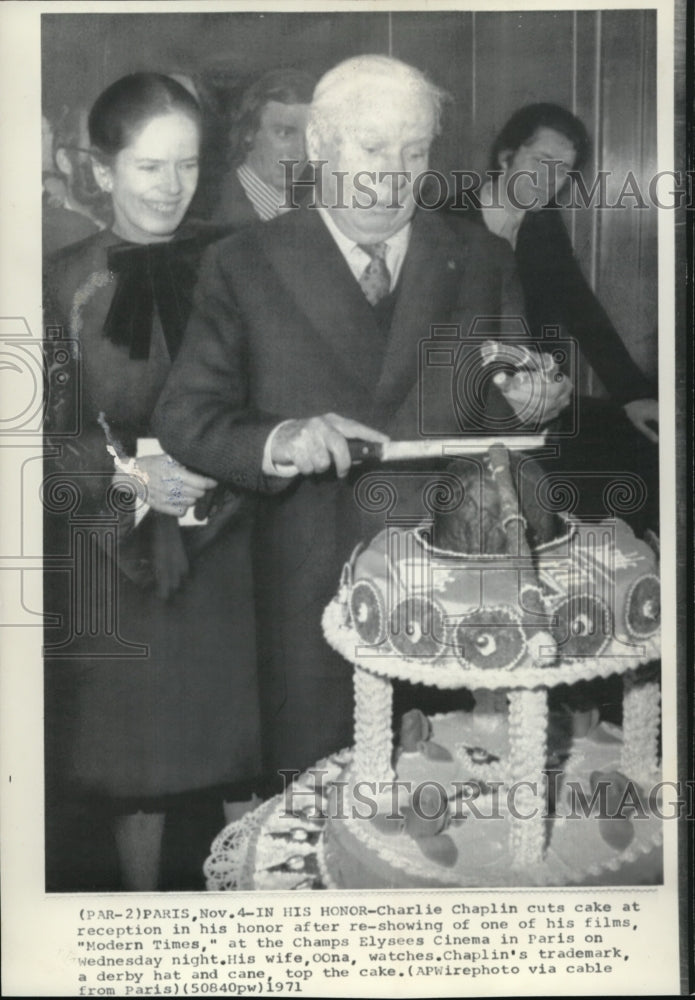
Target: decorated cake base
474	848
319	833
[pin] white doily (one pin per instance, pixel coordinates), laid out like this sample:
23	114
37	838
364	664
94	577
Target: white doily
230	864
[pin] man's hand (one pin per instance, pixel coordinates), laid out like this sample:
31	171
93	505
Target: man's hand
313	445
169	487
536	394
642	413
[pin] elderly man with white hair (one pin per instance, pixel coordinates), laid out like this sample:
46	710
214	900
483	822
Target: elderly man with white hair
306	332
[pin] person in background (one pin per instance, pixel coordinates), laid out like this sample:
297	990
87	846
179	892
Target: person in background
55	190
46	145
614	435
130	731
268	127
531	160
77	207
306	332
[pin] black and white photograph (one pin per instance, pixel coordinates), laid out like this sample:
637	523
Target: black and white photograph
344	459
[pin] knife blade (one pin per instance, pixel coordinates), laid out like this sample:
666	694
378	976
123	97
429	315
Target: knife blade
407	451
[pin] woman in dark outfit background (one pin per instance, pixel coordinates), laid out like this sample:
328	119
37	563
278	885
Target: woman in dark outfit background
137	730
615	434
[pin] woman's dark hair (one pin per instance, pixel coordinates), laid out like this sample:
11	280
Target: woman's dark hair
129	103
286	86
524	124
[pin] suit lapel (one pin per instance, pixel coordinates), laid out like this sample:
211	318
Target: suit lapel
317	276
428	290
234	207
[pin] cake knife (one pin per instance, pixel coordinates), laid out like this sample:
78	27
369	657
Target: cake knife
450	447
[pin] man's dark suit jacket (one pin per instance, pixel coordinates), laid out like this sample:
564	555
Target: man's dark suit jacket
281	329
234	206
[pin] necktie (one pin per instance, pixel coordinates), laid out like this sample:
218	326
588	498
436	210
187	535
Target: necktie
375	280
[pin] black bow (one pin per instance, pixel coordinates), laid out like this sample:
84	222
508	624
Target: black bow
149	275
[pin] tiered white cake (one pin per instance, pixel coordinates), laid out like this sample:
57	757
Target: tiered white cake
502	794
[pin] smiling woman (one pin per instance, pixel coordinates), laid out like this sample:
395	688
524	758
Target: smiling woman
141	704
153	180
148	164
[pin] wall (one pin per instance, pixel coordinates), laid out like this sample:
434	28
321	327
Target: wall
599	64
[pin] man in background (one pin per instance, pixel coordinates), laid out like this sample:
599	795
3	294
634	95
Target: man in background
73	204
268	128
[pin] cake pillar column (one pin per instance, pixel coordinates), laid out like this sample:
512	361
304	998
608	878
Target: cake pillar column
373	738
639	757
528	724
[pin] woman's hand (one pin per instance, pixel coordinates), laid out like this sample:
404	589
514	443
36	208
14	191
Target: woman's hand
538	393
642	413
170	488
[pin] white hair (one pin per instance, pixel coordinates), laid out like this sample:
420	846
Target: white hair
367	79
